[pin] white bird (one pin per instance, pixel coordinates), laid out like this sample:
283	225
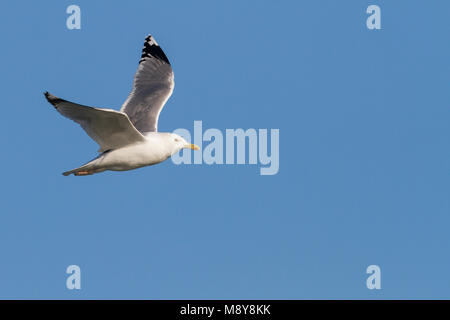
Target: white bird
129	139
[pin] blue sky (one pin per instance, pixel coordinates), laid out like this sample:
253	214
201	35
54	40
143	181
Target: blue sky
364	152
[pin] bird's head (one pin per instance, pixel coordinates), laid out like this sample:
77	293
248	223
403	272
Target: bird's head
179	143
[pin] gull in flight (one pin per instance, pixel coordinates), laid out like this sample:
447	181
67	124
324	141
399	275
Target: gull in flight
129	138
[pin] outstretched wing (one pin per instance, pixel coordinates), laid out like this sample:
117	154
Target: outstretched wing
109	128
153	84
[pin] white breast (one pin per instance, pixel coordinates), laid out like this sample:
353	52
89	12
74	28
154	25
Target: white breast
150	152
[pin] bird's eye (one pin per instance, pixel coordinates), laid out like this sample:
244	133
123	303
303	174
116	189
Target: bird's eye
176	140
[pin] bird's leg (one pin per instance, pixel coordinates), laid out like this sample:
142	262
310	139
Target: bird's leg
83	173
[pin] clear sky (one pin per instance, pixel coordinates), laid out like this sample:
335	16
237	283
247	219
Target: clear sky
364	152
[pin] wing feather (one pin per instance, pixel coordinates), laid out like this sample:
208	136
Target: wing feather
109	128
152	86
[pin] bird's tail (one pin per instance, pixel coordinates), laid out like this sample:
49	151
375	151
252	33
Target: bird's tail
89	168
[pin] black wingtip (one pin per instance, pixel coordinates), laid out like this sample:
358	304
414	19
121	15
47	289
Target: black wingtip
52	99
47	96
152	49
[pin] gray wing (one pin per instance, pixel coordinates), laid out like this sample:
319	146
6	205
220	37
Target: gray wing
153	84
109	128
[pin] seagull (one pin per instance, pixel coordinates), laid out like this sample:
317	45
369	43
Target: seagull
129	138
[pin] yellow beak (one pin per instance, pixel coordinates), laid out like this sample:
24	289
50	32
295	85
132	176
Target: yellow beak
192	146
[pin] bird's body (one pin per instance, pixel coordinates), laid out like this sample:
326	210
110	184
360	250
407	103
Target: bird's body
155	149
128	138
